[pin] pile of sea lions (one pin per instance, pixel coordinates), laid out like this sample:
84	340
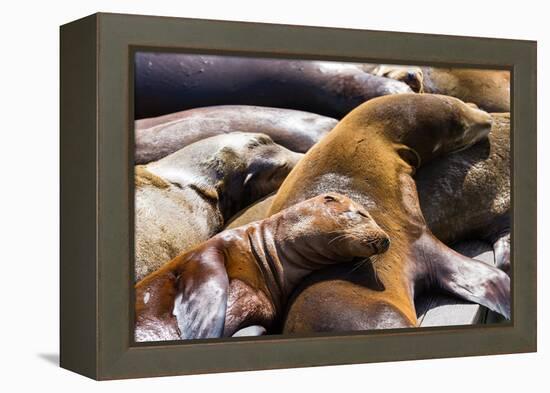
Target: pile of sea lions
297	196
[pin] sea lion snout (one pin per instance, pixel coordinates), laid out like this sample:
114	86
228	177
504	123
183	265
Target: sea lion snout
477	126
355	231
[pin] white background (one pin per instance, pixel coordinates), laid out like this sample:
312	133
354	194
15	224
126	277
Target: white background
29	247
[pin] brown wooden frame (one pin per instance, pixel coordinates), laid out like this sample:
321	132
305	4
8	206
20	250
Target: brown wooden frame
97	196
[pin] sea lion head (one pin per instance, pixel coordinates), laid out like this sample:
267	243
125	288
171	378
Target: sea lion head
253	166
410	75
423	126
333	225
266	164
468	126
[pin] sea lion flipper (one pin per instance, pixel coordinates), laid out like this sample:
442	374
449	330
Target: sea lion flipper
501	246
477	282
201	298
250	331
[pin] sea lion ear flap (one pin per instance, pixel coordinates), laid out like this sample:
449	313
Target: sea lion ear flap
208	193
201	298
410	156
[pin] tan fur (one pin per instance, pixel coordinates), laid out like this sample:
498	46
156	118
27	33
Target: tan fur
364	150
488	89
142	177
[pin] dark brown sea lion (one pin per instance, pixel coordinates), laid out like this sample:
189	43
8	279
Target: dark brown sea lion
187	197
295	130
370	157
466	195
242	277
170	82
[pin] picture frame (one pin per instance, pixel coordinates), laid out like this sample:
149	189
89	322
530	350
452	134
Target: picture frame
96	302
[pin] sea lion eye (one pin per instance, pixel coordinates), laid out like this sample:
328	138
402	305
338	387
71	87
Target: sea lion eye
330	198
362	214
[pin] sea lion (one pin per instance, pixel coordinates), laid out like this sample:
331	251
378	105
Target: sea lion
463	196
466	195
488	89
186	197
242	277
295	130
370	156
170	82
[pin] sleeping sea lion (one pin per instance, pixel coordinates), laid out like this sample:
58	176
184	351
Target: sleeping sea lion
370	156
240	279
488	89
170	82
463	196
186	197
296	130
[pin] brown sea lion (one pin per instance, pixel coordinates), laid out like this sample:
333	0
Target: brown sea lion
466	195
463	196
186	197
170	82
370	156
295	130
242	277
488	89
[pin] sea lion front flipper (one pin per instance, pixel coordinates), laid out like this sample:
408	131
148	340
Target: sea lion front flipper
201	299
467	278
474	281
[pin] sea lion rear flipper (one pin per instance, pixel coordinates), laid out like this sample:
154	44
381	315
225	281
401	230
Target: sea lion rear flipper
475	281
201	298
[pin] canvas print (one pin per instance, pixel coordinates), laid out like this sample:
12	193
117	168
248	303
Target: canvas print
291	196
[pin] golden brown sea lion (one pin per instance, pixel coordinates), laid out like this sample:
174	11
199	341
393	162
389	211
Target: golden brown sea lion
296	130
370	157
463	196
242	277
488	89
170	82
186	197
